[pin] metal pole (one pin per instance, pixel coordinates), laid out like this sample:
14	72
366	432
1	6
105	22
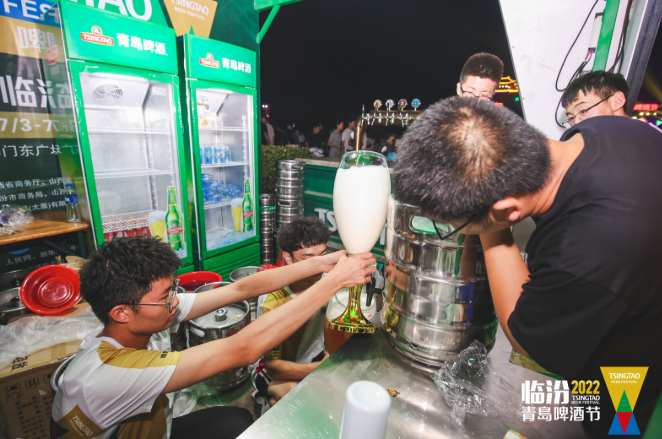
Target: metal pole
267	23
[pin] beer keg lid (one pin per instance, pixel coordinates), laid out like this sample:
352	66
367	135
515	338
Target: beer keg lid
221	318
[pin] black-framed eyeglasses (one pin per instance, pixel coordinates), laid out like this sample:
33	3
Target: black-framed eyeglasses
470	94
448	235
173	292
582	114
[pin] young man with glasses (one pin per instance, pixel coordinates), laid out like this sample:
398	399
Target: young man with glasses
117	386
590	293
598	93
292	360
480	76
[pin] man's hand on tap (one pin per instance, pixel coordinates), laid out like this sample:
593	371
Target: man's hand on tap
354	270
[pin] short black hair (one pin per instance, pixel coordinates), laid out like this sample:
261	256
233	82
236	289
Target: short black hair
600	82
123	271
304	232
462	155
483	65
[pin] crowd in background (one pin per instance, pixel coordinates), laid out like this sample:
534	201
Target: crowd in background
335	140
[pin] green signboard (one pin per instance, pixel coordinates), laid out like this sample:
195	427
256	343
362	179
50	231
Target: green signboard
146	10
220	62
98	36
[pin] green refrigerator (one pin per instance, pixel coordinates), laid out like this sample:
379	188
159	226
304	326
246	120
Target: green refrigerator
126	149
218	86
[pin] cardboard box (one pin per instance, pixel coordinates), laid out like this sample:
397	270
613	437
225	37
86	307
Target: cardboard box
26	398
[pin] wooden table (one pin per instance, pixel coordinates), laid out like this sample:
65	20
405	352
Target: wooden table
45	225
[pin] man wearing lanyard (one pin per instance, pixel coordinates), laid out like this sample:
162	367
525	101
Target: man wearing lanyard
591	293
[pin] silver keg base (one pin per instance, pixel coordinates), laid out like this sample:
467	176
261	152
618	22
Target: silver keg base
432	344
229	379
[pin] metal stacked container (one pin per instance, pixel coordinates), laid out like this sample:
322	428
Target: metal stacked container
437	299
290	176
267	228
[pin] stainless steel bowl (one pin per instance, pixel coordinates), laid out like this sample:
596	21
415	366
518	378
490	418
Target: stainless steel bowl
11	305
290	165
241	273
217	325
57	375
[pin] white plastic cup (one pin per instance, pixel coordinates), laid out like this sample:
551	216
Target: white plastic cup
366	411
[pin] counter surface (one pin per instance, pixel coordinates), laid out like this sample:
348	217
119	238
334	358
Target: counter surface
314	408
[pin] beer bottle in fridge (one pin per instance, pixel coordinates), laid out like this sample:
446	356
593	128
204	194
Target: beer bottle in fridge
247	207
174	222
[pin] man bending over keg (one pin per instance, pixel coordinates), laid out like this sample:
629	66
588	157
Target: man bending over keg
590	295
117	385
292	360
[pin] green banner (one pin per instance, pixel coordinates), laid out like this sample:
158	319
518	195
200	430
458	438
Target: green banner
220	62
95	35
146	10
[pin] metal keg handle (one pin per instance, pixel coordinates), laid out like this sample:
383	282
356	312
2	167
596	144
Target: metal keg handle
371	291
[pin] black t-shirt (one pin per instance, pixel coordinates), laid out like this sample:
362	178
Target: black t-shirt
314	140
595	293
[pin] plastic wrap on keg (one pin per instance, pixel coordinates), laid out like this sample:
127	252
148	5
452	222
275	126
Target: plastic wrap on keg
470	386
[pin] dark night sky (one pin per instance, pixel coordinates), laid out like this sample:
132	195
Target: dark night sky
324	59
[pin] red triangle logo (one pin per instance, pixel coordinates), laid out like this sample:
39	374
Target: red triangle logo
624	419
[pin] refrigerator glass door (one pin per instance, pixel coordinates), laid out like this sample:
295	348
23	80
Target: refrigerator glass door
131	130
225	156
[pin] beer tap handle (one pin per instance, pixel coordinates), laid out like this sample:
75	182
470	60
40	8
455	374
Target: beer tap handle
370	290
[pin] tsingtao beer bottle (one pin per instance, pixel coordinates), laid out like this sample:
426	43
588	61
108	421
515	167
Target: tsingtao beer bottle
174	222
247	207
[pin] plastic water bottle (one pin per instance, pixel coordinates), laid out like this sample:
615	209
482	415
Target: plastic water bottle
71	200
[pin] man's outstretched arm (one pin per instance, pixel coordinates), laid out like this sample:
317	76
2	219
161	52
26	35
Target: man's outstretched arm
506	272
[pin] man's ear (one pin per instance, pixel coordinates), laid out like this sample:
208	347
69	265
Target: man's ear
508	209
618	101
288	258
459	89
119	314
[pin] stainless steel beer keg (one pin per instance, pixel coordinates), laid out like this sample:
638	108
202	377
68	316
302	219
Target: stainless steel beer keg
437	298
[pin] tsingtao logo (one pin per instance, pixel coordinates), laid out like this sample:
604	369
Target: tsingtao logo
209	61
624	385
97	37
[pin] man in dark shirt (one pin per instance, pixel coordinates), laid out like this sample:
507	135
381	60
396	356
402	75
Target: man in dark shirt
591	295
314	142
